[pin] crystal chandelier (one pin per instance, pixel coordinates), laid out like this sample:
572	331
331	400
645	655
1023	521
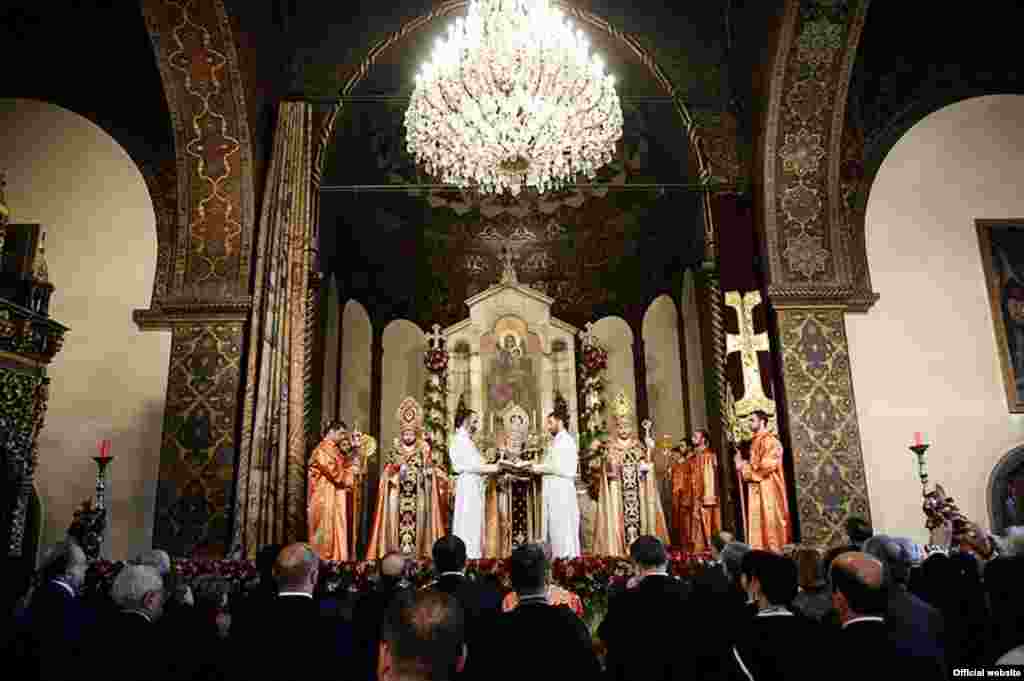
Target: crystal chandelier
513	99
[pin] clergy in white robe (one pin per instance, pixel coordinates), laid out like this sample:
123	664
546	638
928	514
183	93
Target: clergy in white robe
470	485
558	489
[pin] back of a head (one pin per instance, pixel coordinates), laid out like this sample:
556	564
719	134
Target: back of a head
528	569
720	539
392	565
830	558
776	574
59	559
1002	583
779	579
155	558
732	557
1015	542
858	530
810	569
449	554
424	632
861	579
892	555
133	583
296	568
265	559
649	553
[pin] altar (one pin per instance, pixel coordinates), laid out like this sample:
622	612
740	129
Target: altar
510	360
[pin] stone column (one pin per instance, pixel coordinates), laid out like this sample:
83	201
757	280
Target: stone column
816	269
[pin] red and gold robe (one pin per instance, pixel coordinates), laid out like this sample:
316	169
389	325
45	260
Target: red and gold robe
331	479
556	596
768	519
707	517
682	503
412	509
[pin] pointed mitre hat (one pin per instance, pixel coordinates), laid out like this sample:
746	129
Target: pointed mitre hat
621	408
409	414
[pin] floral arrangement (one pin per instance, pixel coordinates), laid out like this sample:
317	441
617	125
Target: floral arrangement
435	402
436	360
593	364
595	359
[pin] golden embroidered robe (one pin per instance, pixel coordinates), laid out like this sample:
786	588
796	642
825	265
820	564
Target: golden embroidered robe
628	502
768	519
330	482
412	505
707	516
682	503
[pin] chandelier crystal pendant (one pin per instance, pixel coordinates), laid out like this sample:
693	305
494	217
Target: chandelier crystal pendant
513	99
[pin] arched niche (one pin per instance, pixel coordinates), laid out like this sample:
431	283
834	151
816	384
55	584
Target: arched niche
1006	491
332	350
110	379
357	335
690	315
617	338
664	371
403	375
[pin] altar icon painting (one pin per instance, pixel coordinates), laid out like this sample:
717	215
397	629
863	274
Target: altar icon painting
1002	256
511	379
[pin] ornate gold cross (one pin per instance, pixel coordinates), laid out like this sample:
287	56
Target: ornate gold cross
748	344
435	339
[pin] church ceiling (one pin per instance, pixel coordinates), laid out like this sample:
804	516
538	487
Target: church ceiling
575	246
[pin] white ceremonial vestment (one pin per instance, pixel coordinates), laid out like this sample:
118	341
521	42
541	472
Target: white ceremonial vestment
468	524
558	488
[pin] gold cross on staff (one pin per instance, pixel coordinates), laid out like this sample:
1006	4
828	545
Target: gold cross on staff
436	338
748	344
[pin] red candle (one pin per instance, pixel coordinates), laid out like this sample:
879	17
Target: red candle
917	439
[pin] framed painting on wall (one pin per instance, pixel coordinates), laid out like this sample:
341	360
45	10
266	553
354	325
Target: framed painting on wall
1002	256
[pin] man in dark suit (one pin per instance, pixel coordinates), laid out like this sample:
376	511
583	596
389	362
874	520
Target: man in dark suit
536	640
860	599
50	642
422	638
139	594
370	611
653	653
481	602
248	610
765	650
914	626
293	640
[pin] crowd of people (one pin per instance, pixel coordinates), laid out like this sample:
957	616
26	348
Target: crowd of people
749	615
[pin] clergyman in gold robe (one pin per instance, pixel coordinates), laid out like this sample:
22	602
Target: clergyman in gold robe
334	470
412	499
628	503
768	522
707	516
682	498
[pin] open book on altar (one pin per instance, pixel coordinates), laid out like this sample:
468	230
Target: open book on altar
515	467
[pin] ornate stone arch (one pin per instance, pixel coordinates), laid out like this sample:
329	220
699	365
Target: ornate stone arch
195	51
998	487
806	248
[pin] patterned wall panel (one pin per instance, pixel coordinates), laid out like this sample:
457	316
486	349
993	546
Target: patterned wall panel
824	431
195	51
198	452
808	258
